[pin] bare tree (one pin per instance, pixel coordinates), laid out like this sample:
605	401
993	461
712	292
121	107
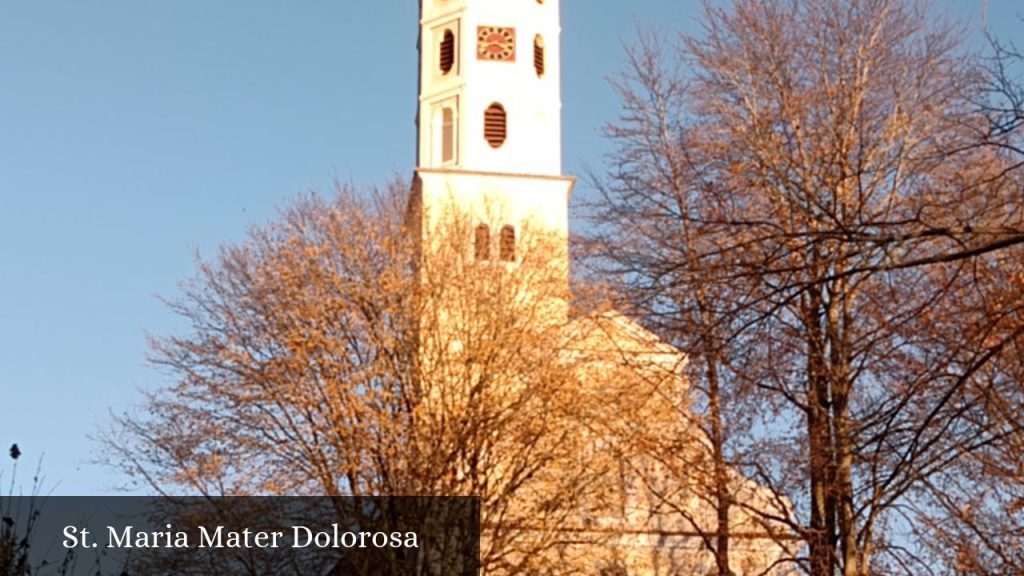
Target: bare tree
973	513
798	199
661	249
326	355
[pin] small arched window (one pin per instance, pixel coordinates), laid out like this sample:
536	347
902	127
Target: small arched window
507	246
447	56
495	125
447	135
538	55
482	242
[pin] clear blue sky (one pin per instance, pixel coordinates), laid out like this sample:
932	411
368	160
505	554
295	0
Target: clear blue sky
135	131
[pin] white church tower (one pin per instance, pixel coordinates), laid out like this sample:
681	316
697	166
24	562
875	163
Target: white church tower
489	127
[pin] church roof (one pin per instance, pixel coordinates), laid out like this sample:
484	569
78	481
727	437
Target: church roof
607	330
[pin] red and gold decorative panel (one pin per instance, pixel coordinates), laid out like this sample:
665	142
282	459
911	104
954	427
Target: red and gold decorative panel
496	43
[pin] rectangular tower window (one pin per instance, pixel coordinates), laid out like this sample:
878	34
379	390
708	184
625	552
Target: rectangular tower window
447	135
482	242
507	244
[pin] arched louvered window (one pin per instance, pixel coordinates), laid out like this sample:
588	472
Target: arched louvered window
538	55
507	245
495	125
482	242
447	56
447	135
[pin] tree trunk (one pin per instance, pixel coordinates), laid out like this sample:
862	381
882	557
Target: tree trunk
821	461
723	496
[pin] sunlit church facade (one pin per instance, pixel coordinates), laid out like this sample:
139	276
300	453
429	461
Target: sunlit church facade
489	149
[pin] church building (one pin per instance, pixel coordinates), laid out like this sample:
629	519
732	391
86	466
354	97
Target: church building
489	156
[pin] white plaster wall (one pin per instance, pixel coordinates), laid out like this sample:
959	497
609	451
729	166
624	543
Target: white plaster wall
528	202
533	104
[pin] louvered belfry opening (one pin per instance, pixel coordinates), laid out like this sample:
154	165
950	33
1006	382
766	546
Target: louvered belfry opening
482	242
538	56
447	52
507	246
495	125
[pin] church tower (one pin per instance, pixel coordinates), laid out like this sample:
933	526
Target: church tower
489	128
